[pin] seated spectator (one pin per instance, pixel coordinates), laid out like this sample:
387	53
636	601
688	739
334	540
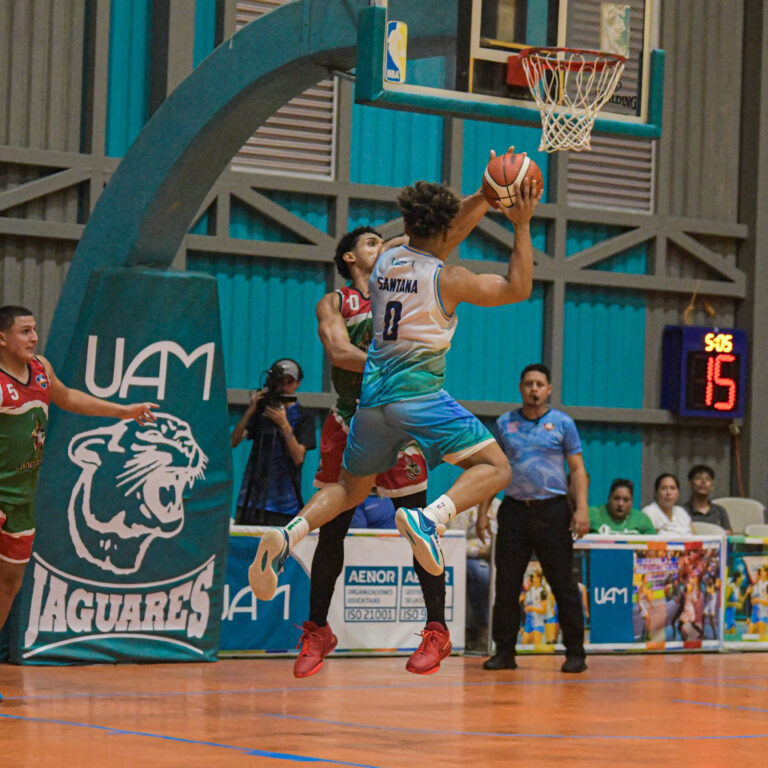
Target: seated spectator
374	512
699	506
478	575
618	515
666	516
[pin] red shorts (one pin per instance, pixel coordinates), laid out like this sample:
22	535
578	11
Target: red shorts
408	476
17	532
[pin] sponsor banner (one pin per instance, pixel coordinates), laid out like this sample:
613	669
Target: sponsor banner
611	596
746	594
638	593
377	603
132	520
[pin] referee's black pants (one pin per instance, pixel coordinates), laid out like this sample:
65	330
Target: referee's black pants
543	528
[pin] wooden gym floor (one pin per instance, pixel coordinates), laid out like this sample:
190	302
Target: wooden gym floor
696	709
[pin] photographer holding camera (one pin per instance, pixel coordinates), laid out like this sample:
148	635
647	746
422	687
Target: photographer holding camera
281	432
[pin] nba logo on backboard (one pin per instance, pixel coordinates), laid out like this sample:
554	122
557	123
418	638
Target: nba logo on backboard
397	46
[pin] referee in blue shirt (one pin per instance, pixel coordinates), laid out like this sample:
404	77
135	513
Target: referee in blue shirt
535	517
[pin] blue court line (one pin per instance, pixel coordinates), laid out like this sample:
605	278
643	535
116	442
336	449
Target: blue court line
716	705
513	734
180	740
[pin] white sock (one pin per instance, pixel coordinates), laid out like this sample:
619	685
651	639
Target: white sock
297	529
441	510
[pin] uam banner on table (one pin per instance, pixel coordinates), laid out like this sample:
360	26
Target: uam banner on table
377	604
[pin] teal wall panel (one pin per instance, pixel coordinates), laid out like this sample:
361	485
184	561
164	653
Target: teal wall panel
128	86
604	332
396	148
202	226
249	224
604	348
267	312
313	209
492	345
482	248
205	29
481	137
366	213
612	451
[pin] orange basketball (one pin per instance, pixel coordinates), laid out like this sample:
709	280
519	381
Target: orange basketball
503	171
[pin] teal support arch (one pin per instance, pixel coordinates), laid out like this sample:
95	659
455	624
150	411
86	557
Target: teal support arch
149	204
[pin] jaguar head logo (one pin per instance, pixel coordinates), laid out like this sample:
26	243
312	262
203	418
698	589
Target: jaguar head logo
130	489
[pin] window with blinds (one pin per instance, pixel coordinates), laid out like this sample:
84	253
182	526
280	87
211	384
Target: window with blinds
300	138
617	174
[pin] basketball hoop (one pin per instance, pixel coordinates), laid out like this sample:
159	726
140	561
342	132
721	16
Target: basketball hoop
570	86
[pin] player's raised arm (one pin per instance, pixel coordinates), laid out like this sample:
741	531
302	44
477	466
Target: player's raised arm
334	336
471	210
459	284
81	402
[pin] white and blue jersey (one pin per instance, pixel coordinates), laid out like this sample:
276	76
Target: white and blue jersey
402	397
537	450
411	330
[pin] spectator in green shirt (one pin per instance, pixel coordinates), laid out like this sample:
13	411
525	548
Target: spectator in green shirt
618	516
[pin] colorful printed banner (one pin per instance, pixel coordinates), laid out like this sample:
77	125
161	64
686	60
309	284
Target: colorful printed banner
638	594
746	594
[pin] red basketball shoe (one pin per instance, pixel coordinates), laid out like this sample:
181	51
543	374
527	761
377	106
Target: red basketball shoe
435	646
316	643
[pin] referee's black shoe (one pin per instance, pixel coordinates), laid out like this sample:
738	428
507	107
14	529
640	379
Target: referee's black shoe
574	664
501	660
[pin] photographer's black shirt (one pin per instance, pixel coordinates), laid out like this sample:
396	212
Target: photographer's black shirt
271	479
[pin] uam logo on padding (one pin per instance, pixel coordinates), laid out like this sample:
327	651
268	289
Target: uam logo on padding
130	489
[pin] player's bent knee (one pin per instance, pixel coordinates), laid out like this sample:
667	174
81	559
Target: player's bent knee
356	488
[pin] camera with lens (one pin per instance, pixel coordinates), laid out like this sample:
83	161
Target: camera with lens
274	382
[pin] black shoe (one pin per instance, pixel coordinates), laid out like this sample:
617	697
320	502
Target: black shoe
501	660
574	664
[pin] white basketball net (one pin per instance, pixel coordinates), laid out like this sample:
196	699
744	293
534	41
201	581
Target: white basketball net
570	87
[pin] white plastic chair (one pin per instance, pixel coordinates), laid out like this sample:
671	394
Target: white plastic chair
708	529
757	529
742	512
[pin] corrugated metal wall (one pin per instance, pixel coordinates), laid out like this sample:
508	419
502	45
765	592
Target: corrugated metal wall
481	137
702	108
41	73
697	178
394	148
617	331
129	56
41	77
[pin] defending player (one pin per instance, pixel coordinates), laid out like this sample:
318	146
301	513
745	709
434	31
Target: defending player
414	297
345	328
27	385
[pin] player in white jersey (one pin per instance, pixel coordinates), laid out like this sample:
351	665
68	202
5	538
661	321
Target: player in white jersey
414	296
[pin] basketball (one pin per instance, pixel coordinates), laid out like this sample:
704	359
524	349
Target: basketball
503	171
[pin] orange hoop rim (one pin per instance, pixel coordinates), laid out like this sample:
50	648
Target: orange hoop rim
605	59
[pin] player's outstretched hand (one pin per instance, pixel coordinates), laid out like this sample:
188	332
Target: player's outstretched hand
527	196
142	412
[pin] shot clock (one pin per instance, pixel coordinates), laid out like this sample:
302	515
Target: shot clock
704	371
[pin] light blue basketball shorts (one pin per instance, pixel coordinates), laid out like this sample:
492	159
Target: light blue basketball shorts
444	430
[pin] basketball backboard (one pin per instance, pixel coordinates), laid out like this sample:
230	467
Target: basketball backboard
469	77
